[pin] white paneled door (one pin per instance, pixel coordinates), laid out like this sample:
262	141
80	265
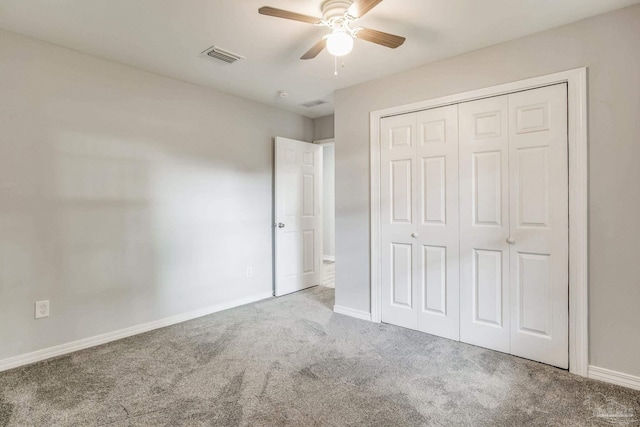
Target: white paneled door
474	223
398	213
298	215
437	184
539	225
484	223
419	215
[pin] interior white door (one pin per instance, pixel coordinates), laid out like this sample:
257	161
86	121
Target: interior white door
437	222
398	219
484	223
298	216
539	274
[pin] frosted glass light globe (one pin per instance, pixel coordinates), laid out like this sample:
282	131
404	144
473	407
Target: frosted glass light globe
339	43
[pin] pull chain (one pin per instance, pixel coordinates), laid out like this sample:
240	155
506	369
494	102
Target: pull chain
335	65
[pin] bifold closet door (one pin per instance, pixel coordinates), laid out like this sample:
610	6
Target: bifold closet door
484	223
474	223
514	224
539	273
419	221
398	219
438	268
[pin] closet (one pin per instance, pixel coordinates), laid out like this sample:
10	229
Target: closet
474	222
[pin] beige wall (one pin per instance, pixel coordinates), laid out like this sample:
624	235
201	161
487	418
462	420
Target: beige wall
125	197
323	127
609	45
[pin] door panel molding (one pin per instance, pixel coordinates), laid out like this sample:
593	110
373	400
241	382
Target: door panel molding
532	120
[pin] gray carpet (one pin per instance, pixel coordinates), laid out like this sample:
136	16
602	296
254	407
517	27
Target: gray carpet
291	361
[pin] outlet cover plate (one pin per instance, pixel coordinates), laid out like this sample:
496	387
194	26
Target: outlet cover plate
42	309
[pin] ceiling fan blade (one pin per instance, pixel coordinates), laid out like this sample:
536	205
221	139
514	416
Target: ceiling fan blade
279	13
315	50
360	7
379	37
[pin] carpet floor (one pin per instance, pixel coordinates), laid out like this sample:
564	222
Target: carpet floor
291	361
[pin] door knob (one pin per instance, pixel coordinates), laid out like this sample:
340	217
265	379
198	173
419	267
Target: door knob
280	225
414	235
511	240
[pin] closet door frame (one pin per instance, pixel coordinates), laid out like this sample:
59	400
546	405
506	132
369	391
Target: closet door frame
576	81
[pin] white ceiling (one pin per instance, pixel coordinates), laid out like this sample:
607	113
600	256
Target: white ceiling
167	36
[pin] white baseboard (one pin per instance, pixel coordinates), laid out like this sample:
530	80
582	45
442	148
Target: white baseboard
613	377
358	314
59	350
328	258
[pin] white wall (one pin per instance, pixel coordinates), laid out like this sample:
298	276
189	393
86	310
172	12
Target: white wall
125	197
607	44
328	202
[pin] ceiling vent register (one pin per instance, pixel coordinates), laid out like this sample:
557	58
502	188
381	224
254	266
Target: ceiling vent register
222	55
315	103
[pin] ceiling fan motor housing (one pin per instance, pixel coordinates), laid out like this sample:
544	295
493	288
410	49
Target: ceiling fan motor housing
334	10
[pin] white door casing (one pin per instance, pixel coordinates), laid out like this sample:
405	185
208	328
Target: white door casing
484	223
576	81
539	228
298	216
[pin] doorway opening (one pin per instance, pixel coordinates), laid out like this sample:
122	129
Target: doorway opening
328	212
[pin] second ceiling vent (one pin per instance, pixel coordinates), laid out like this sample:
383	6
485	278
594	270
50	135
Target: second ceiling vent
224	55
314	103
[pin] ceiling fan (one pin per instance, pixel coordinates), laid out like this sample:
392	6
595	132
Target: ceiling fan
338	16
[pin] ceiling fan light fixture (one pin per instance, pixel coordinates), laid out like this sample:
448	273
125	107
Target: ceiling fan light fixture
339	43
339	16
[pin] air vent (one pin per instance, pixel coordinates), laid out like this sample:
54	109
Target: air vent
223	55
313	103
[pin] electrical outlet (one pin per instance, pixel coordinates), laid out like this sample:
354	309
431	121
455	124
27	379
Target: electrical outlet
42	309
249	271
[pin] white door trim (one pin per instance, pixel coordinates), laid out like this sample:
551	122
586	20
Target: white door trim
578	232
328	141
